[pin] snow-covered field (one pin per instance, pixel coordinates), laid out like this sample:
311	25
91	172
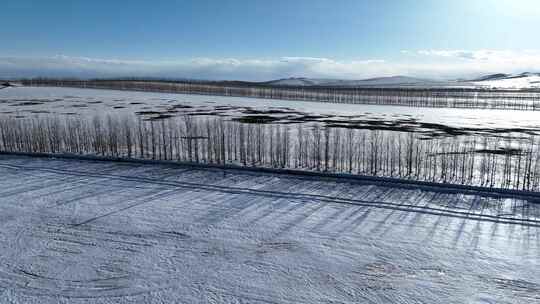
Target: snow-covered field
103	232
32	101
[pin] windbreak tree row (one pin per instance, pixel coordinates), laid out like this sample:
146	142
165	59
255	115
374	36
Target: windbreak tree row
487	161
412	97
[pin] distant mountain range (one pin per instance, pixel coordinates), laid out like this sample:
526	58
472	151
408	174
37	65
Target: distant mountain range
525	80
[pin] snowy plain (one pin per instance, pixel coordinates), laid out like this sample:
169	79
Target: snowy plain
104	232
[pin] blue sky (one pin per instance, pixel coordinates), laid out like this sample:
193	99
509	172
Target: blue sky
258	40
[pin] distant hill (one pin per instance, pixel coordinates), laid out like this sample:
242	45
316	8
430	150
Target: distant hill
300	81
526	80
491	77
393	81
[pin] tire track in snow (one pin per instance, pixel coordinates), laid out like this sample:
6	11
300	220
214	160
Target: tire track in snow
137	202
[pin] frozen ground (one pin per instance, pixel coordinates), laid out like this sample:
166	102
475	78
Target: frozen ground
97	232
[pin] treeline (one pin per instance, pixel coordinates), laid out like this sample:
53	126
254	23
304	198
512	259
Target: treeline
491	162
414	97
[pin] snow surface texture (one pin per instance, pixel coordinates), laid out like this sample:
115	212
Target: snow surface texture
104	232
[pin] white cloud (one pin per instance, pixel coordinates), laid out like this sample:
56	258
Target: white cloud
479	61
203	68
422	63
501	56
448	53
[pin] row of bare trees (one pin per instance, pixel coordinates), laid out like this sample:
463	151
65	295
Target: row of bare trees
489	161
413	97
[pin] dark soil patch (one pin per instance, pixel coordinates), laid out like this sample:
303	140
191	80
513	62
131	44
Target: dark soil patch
309	118
256	119
500	151
26	104
444	129
204	114
148	113
159	117
269	112
181	106
228	108
370	127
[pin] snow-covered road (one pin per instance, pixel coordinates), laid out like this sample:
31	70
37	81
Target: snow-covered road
103	232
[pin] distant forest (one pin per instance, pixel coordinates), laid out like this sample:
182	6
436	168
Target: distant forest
402	96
